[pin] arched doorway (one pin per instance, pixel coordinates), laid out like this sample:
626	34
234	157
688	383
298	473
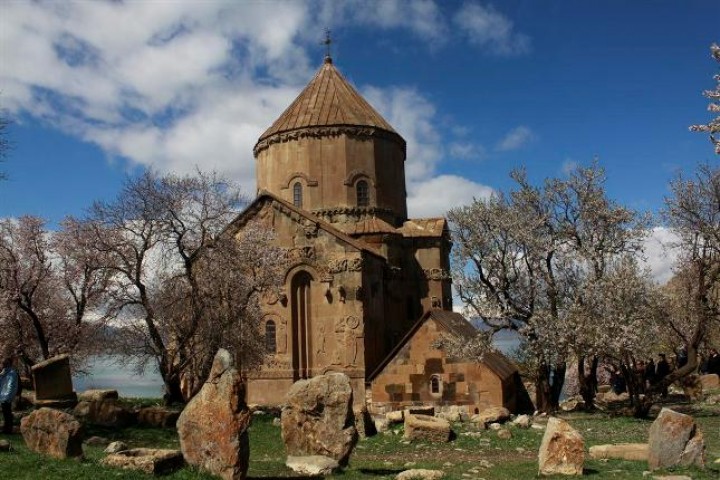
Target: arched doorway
300	308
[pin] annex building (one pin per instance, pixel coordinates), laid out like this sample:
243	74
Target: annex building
361	274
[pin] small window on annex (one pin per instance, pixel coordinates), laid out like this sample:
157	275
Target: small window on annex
363	194
435	385
297	194
270	339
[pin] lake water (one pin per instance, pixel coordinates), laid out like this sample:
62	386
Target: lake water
111	372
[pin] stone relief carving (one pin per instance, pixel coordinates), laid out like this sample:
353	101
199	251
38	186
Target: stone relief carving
282	340
339	340
353	340
300	254
321	336
436	274
338	265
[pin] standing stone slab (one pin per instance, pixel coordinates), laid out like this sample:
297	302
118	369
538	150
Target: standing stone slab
710	381
52	432
674	439
318	418
213	426
562	451
53	383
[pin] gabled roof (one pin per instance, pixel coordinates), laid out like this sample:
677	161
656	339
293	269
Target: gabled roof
368	226
423	227
328	100
242	217
455	324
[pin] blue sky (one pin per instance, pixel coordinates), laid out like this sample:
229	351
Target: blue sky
98	90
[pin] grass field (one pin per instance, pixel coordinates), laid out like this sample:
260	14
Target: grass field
385	455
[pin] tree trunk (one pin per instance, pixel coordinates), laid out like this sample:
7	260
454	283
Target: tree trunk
588	383
171	380
548	385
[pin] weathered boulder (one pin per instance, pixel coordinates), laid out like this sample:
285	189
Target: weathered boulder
492	415
364	423
157	417
620	451
5	446
312	465
106	413
317	418
710	381
504	434
96	395
420	474
213	426
148	460
522	421
52	432
425	427
116	447
381	423
675	439
562	450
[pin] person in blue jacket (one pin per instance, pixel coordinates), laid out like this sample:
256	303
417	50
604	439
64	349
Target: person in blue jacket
8	389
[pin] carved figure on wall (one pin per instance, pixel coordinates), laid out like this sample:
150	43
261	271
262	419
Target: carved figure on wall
339	340
282	336
352	334
321	336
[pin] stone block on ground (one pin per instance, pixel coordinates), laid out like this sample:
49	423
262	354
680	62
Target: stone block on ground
522	421
105	413
96	441
312	465
52	432
710	381
562	450
96	395
218	417
674	439
425	427
157	417
5	446
397	416
115	447
147	460
317	418
492	415
420	474
620	451
504	434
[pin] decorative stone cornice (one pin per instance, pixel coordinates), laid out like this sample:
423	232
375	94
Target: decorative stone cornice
362	133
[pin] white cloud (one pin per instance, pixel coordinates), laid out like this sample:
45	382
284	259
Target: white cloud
491	30
466	150
515	139
180	85
435	196
659	254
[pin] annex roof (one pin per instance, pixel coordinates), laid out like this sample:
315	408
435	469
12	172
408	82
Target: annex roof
328	100
455	324
423	227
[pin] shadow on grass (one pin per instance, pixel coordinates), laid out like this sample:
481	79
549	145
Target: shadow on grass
380	471
590	471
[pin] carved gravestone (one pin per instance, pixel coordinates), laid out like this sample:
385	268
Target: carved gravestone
318	418
53	383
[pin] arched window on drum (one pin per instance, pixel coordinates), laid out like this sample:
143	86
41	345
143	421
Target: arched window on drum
363	193
270	337
435	385
297	195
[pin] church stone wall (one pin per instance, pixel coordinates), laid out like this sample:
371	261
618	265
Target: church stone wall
407	379
329	166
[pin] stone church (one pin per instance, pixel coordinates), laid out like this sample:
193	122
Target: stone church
331	183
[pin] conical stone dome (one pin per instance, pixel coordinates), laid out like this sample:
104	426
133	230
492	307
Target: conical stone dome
327	101
334	155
